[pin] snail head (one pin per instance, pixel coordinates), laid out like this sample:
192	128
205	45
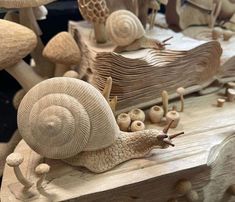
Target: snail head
164	139
162	44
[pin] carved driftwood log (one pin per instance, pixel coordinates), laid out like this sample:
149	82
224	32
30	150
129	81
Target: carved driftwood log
140	76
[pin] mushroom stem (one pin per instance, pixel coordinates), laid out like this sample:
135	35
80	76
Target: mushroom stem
60	69
27	184
165	102
43	66
99	29
27	18
182	103
23	73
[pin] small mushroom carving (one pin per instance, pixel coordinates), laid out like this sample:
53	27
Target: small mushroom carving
14	160
41	170
95	11
181	91
69	119
63	50
16	42
137	126
125	30
124	121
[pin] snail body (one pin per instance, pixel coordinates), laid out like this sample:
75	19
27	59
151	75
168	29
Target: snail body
68	119
127	146
125	30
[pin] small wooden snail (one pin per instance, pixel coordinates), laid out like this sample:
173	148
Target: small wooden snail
69	119
125	30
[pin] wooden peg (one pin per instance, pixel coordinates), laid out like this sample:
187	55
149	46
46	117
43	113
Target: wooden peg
231	94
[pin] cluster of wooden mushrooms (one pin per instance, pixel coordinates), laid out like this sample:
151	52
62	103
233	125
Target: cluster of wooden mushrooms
14	160
229	94
134	119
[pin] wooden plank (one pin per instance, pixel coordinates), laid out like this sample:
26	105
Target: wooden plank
205	126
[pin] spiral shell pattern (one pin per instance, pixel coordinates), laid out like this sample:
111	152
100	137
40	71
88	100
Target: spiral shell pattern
123	27
60	117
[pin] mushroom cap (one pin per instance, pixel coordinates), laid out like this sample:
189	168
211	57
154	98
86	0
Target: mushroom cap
71	74
16	42
181	91
42	169
23	3
231	91
14	159
63	49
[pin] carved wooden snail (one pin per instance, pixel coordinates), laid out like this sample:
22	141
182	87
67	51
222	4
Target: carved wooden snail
69	119
125	30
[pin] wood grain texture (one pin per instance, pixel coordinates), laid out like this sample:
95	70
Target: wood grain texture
140	83
207	129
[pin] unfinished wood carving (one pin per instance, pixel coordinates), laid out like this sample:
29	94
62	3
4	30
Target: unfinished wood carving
125	30
68	119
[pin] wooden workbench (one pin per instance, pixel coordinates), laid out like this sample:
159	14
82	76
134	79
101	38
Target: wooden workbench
204	155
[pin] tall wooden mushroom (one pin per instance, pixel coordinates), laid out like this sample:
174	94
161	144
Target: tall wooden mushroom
16	42
95	11
27	18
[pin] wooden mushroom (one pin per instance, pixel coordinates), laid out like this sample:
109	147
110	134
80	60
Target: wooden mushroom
16	42
41	170
173	116
14	160
165	100
137	115
28	19
123	121
156	114
231	94
220	102
137	126
181	91
95	11
63	50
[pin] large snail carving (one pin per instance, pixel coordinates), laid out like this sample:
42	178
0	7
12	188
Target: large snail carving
125	30
69	119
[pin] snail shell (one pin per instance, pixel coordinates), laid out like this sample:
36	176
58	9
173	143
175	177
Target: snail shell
123	27
60	117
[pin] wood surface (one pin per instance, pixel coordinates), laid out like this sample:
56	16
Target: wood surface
204	155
